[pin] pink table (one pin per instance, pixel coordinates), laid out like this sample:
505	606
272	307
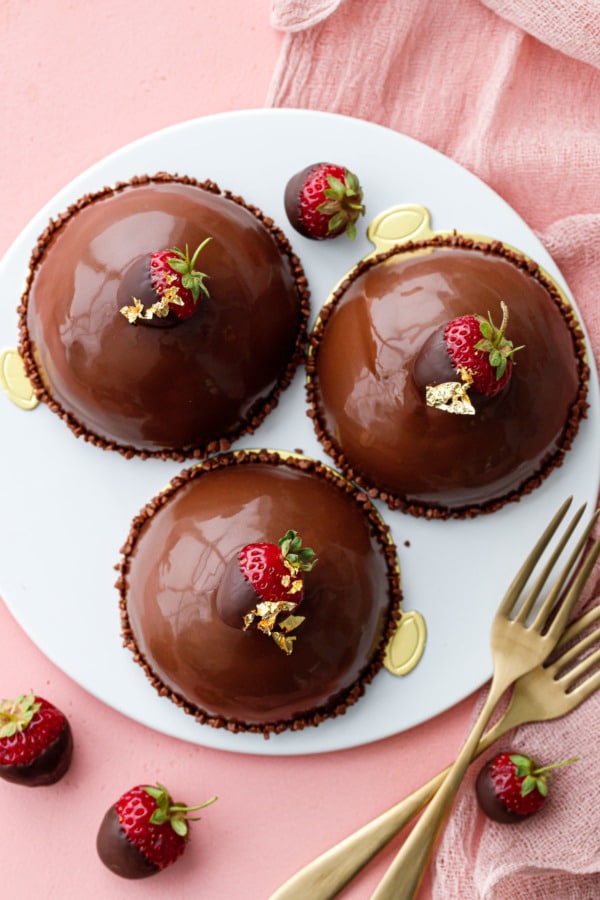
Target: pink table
77	82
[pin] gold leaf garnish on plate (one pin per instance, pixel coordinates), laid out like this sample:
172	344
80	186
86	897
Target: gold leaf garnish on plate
14	381
405	647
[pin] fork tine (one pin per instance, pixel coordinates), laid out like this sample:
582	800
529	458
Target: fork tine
575	675
562	614
579	625
557	661
520	579
540	581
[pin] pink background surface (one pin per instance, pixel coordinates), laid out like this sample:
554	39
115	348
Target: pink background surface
78	81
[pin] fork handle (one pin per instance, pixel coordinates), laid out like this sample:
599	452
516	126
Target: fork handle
329	873
403	877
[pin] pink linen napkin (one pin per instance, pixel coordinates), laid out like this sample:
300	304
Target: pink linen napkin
511	90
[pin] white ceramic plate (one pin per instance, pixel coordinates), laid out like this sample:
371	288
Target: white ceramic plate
66	505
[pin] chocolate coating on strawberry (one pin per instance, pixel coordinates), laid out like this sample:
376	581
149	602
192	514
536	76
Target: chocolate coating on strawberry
323	201
36	742
175	287
144	831
118	853
511	787
235	595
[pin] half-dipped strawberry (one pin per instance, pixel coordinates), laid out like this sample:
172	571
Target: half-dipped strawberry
511	786
144	831
175	286
36	743
263	582
323	201
276	571
472	348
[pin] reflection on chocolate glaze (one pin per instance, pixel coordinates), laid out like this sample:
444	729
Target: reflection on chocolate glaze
182	388
368	368
179	552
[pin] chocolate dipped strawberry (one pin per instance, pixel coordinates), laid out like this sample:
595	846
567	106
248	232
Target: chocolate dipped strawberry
472	348
166	287
144	831
511	786
263	581
323	201
36	743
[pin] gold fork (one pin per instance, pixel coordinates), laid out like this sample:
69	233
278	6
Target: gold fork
518	645
328	874
549	691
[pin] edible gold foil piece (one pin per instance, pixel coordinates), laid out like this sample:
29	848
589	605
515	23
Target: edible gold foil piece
267	613
452	396
14	381
405	647
160	309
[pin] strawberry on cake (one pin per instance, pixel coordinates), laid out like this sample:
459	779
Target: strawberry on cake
162	317
447	375
259	591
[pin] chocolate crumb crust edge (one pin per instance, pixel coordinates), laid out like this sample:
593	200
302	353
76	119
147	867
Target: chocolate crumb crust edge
257	414
577	412
379	530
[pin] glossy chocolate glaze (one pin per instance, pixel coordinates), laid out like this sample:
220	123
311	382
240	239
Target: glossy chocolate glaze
48	767
185	386
369	408
118	853
179	551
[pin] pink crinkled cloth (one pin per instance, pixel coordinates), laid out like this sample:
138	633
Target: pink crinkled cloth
510	89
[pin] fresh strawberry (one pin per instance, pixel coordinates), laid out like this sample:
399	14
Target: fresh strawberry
480	352
323	201
36	743
511	786
144	831
176	284
275	571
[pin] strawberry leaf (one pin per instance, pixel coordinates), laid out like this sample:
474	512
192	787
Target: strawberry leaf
178	265
542	786
337	221
336	186
179	826
159	817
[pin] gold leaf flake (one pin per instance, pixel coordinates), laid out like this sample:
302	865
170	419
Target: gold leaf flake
291	622
284	642
267	612
450	396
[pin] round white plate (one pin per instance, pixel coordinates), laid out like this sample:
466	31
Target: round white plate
66	505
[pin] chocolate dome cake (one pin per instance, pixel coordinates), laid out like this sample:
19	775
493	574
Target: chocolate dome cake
412	423
199	618
137	350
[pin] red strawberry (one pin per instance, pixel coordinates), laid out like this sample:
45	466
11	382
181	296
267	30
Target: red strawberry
36	744
275	571
175	282
512	786
144	831
481	351
324	200
476	350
